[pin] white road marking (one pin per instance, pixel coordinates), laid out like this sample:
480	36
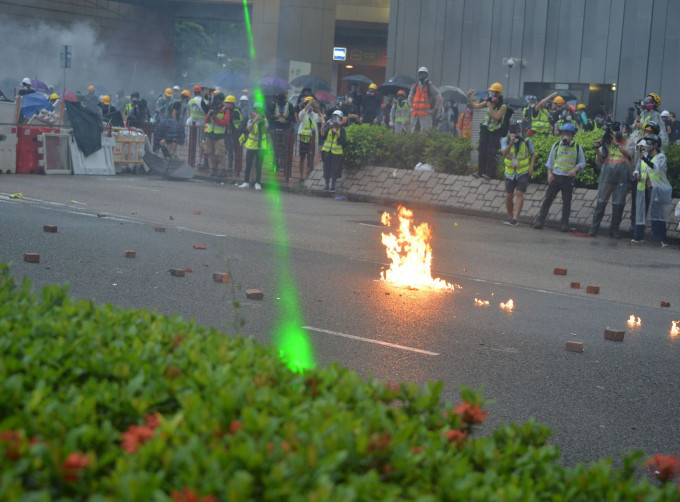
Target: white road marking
375	226
369	340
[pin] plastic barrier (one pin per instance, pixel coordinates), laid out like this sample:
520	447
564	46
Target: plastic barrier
29	146
8	149
128	152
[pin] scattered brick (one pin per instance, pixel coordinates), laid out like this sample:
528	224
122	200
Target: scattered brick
221	277
130	254
31	257
574	347
593	290
254	294
159	229
101	215
197	212
575	285
177	272
560	271
172	217
200	246
665	304
52	229
189	270
615	335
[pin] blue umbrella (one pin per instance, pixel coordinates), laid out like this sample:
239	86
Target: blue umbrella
33	103
230	80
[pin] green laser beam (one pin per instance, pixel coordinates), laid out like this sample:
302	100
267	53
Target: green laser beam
291	340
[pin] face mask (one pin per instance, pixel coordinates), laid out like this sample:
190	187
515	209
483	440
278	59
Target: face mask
494	100
649	106
335	119
422	79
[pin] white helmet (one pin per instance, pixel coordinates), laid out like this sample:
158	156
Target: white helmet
338	113
665	113
175	88
26	81
423	69
243	98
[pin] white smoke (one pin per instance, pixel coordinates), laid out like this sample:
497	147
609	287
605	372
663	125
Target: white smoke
32	49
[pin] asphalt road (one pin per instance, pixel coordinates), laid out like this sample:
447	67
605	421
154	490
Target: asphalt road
612	397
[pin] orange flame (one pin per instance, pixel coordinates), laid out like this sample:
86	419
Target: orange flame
675	329
484	303
410	254
634	322
508	306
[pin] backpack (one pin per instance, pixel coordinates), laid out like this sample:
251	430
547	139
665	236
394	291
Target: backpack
505	125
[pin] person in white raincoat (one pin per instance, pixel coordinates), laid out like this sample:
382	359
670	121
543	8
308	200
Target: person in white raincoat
654	192
308	132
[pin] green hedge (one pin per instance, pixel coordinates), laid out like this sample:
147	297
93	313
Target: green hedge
106	404
374	145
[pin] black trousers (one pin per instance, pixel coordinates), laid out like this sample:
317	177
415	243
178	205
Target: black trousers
560	183
257	156
489	143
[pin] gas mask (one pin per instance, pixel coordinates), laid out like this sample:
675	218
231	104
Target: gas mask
422	77
566	139
493	97
335	120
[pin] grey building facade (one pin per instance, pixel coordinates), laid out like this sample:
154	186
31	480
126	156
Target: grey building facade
609	52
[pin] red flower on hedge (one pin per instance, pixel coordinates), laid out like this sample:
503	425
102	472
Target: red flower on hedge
135	436
153	420
74	464
664	467
471	414
12	441
187	495
456	435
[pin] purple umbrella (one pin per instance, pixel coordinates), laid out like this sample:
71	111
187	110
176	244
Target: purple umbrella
37	85
275	82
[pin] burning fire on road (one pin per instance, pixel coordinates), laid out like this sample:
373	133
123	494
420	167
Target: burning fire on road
410	254
509	305
482	303
634	322
675	329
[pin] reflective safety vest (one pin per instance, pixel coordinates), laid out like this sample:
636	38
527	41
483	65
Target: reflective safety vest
127	109
237	118
614	156
491	124
522	158
647	172
331	144
421	101
541	124
195	110
565	157
401	112
306	128
285	111
214	127
257	138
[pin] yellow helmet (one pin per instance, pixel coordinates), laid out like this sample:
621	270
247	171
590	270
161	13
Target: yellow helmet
230	99
559	100
496	87
54	96
581	106
186	93
90	88
656	98
168	92
106	100
308	99
372	86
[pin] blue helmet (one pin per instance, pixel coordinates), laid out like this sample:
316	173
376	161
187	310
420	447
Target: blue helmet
568	127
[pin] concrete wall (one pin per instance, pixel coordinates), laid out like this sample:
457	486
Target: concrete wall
633	43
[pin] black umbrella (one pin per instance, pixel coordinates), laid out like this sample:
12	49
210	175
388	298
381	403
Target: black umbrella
312	81
272	90
396	84
452	93
358	79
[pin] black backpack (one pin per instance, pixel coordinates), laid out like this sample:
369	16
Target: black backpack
505	125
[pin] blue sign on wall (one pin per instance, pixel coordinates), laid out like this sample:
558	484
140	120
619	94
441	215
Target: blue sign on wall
339	53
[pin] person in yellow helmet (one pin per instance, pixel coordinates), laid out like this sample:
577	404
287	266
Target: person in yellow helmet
308	132
162	105
647	111
234	131
490	129
372	101
560	115
54	100
106	106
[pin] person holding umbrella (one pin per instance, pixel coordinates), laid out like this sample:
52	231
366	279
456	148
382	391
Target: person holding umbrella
489	132
423	100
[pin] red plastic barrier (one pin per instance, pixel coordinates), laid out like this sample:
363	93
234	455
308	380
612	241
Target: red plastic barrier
27	149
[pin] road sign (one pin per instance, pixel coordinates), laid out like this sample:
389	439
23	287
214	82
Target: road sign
339	53
65	56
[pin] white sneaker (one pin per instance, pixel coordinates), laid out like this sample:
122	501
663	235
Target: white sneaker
258	186
244	185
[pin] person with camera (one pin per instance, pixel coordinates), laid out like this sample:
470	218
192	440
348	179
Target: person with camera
335	137
281	117
647	110
566	159
614	160
519	157
256	145
489	132
216	127
309	116
654	192
561	114
539	117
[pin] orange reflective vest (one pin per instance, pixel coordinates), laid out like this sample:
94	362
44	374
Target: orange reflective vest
421	101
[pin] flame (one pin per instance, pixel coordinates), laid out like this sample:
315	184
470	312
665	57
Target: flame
508	306
675	329
484	303
410	254
634	322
